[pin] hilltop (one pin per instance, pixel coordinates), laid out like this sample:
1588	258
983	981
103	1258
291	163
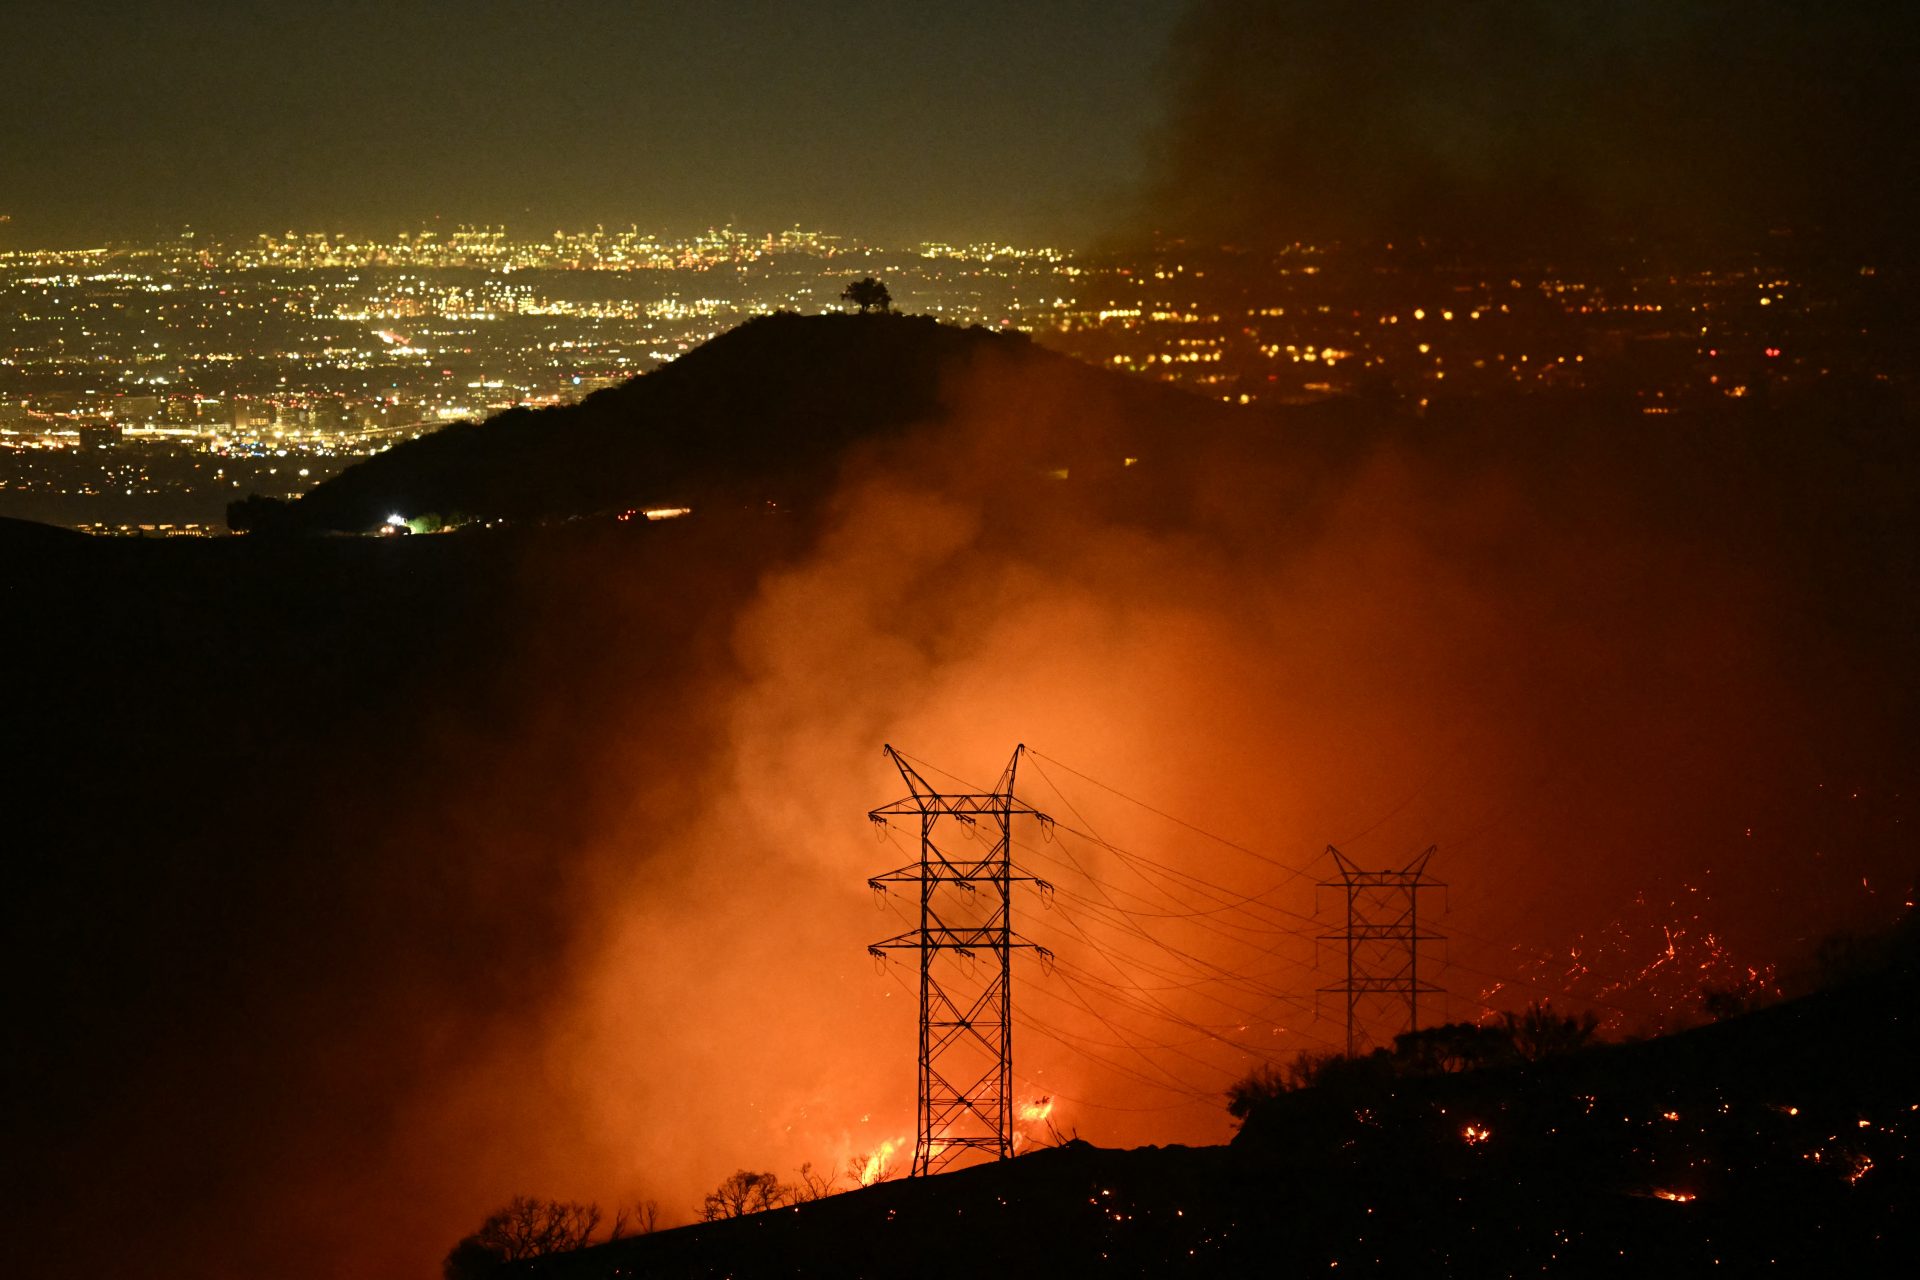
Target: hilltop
765	412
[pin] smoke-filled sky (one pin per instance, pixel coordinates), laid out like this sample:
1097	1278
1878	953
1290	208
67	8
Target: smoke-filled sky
1623	729
1062	122
1541	120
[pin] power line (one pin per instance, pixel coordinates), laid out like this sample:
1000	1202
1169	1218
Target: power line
1207	888
1250	920
1110	911
1292	871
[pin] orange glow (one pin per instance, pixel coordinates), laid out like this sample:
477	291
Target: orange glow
1279	698
879	1163
1413	660
1678	1197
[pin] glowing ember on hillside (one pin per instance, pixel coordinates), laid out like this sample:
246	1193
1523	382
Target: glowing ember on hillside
1661	962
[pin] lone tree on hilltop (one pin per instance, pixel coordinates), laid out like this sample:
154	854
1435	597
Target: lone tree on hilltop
868	295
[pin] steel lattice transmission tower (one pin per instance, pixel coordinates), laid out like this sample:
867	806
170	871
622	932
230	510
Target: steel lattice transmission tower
964	881
1382	939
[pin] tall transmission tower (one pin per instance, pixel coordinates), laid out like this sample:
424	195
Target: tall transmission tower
1382	940
966	944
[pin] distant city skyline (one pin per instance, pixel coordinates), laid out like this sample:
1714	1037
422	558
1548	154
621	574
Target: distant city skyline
1072	124
446	234
892	123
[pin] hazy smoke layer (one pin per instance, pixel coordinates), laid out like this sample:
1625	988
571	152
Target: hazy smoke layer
561	889
1532	121
1602	707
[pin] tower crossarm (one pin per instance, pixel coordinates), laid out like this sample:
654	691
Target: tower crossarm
954	940
1381	932
962	806
1382	880
953	873
1389	986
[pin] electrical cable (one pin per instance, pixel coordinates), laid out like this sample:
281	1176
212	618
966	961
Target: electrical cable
1293	872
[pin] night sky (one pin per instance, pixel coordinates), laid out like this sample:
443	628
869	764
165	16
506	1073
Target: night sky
1073	122
876	119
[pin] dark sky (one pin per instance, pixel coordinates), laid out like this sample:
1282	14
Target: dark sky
1242	120
889	120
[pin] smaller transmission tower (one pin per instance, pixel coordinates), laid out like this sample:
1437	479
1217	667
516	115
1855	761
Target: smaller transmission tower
966	943
1382	939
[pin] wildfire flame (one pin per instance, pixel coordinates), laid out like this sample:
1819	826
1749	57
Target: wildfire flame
1679	1197
879	1161
1476	1134
1037	1111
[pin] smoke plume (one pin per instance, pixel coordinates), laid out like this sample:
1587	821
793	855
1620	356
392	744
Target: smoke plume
1538	122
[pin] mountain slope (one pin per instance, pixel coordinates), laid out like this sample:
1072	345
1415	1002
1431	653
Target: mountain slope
1776	1140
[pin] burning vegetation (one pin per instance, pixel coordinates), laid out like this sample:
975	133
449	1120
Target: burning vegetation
1675	1155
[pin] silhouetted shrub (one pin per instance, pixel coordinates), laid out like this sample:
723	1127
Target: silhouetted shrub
523	1228
742	1193
257	513
1450	1049
1539	1033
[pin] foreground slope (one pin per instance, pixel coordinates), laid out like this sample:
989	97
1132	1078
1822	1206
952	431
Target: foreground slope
1782	1142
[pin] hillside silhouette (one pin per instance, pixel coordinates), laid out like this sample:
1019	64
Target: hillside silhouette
763	413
